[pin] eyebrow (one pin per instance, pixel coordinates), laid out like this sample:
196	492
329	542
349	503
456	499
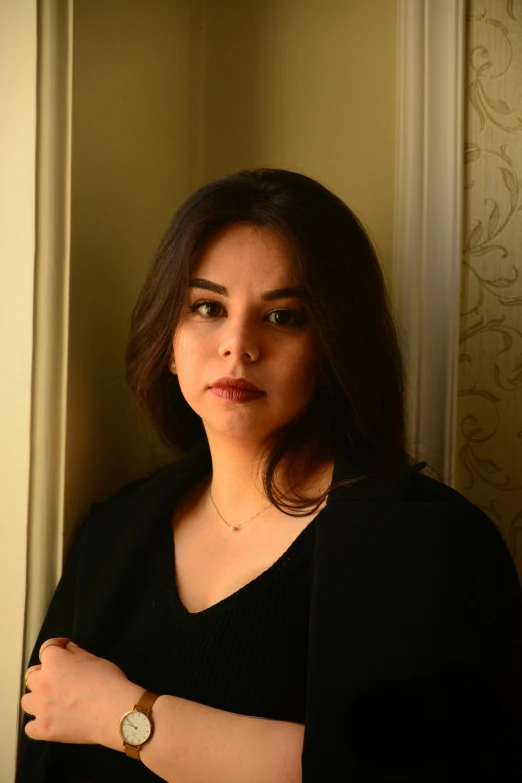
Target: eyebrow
277	293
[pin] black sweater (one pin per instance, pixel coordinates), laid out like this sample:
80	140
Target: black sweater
246	654
414	643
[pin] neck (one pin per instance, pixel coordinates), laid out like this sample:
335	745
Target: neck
236	483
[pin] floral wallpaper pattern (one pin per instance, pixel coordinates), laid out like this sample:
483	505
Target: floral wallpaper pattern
489	420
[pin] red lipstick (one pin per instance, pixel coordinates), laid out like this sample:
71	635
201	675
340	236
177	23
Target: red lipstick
229	382
236	389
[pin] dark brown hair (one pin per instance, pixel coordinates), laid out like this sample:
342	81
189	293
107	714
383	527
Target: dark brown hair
359	399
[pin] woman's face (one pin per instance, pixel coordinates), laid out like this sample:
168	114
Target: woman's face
238	333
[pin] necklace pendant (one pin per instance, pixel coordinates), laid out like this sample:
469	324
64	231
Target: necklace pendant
233	527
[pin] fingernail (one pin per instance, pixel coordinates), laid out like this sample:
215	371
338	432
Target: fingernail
72	644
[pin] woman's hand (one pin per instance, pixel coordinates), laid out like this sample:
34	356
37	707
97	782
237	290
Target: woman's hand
76	697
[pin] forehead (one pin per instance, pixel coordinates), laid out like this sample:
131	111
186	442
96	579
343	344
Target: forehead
245	248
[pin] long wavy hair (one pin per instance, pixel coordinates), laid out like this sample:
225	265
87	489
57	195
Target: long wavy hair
359	398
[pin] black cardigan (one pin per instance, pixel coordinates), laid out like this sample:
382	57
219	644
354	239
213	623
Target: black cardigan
415	640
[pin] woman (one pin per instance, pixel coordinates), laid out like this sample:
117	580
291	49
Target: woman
292	600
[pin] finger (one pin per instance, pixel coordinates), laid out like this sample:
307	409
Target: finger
29	725
25	704
59	641
29	671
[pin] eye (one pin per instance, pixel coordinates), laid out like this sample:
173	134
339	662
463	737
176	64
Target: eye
283	316
206	302
298	318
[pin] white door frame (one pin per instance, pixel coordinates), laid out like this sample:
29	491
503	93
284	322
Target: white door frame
49	312
18	53
426	269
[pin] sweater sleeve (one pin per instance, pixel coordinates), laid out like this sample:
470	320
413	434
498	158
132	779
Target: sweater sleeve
34	758
416	655
460	717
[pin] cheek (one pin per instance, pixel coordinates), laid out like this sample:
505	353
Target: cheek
183	345
299	369
302	356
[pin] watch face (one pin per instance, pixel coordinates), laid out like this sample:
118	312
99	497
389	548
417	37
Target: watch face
135	727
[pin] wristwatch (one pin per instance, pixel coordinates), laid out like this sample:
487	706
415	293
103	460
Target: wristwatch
136	725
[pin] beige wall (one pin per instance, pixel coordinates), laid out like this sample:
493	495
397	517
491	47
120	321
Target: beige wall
306	85
17	249
168	94
135	118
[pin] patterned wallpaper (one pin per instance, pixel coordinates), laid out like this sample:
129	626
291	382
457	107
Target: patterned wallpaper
489	459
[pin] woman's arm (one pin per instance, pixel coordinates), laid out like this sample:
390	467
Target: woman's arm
194	743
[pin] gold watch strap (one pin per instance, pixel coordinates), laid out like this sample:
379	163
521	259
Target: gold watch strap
147	700
144	704
132	751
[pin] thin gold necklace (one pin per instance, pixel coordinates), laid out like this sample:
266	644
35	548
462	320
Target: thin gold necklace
234	527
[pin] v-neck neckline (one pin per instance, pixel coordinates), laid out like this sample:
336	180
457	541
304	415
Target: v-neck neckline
246	590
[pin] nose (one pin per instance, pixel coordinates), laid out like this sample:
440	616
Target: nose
238	339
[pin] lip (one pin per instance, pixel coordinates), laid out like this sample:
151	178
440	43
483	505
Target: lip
232	394
241	384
